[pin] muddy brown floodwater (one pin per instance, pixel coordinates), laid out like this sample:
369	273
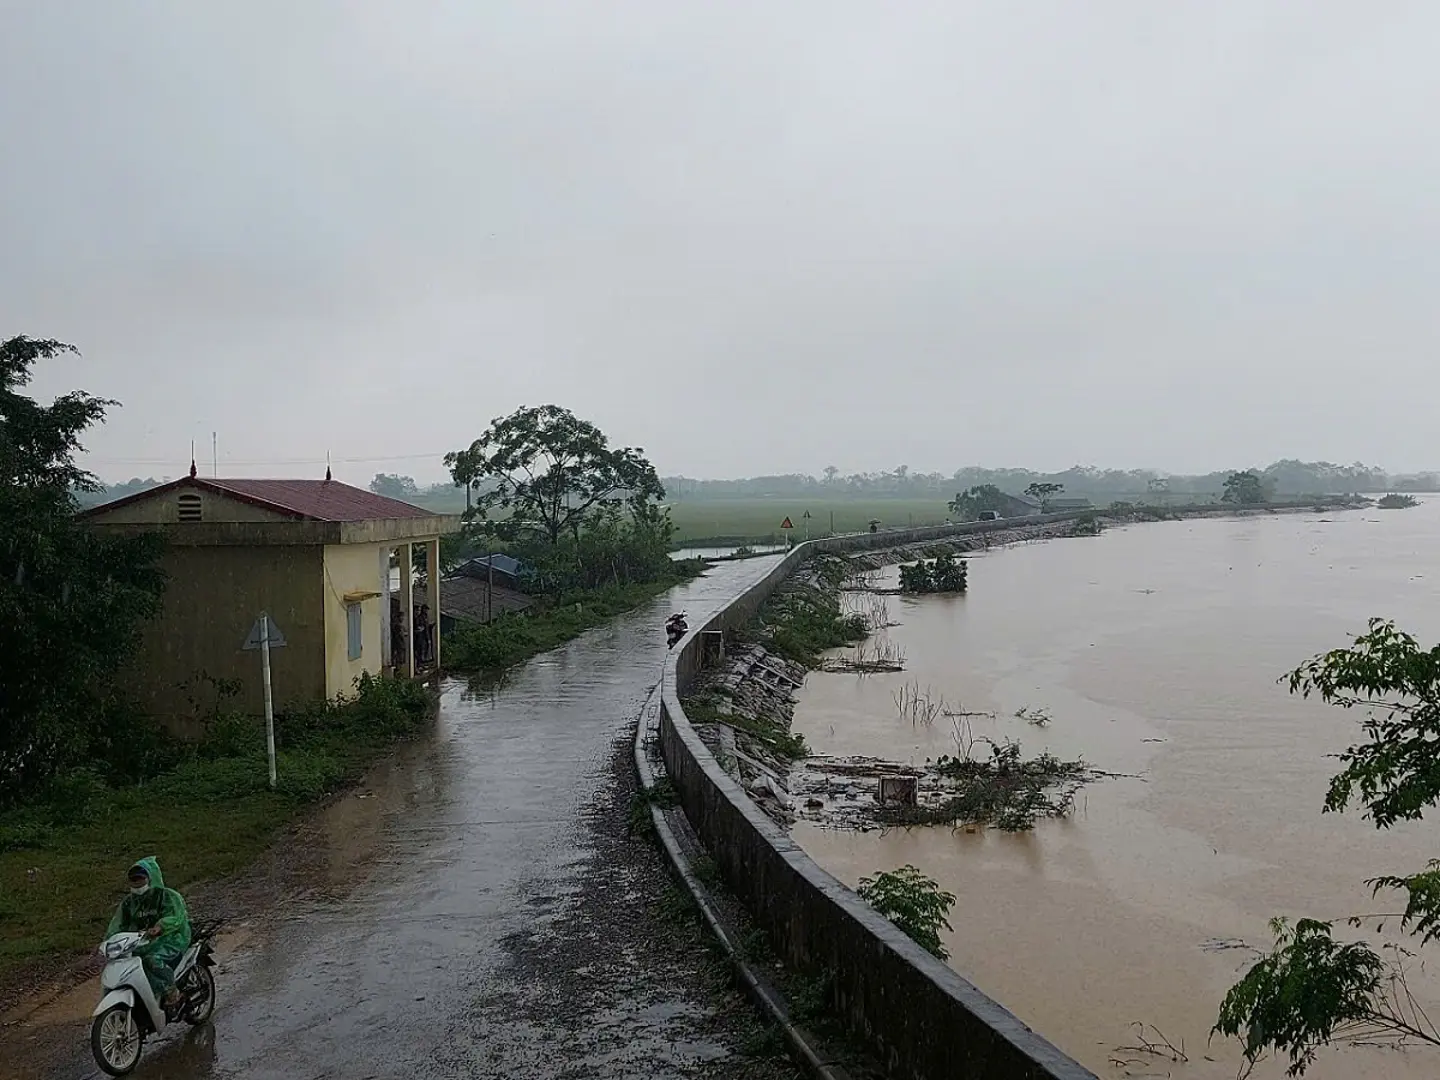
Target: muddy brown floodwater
1155	649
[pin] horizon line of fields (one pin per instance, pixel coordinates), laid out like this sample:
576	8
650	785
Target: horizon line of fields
758	518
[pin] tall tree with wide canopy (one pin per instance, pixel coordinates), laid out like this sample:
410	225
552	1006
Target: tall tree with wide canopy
71	602
542	472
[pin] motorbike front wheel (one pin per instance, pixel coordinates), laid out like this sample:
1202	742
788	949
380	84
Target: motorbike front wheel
116	1041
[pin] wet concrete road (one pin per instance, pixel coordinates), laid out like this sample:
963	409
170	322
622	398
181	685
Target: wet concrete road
482	914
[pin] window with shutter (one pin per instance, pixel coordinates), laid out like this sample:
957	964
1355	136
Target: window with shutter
190	506
354	629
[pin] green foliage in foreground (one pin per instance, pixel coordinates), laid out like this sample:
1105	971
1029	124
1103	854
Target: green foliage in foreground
71	600
913	902
210	814
1298	998
1311	989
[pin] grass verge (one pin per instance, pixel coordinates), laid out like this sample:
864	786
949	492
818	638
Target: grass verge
488	649
63	857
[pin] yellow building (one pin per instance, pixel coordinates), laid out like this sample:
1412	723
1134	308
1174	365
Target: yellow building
313	555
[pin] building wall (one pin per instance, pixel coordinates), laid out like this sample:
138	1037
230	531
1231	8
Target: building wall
352	568
211	601
164	508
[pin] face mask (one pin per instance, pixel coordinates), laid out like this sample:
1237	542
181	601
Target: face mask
139	890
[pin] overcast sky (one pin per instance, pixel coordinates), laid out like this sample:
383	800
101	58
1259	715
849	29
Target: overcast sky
749	237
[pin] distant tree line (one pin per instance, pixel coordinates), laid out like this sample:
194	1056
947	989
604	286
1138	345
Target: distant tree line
1288	477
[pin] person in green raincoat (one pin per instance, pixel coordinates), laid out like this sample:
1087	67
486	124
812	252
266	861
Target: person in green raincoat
159	913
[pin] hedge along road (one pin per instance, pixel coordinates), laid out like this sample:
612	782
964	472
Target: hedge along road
476	910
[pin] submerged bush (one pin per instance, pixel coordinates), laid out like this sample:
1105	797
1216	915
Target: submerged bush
945	574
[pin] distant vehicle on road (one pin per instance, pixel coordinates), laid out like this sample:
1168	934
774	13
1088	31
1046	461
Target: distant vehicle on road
989	515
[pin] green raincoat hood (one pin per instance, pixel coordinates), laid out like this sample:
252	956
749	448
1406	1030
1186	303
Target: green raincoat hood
156	906
152	871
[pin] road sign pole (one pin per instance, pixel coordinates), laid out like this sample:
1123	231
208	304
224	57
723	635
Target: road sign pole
269	700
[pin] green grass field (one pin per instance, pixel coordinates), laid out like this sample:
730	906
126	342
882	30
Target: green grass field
759	519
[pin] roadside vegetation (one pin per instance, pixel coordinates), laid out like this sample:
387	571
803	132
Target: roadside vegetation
584	519
804	618
1313	988
205	807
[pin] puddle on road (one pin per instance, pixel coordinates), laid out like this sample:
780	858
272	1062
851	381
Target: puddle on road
1155	650
318	864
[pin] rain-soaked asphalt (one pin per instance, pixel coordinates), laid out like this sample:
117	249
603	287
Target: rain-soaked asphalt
481	913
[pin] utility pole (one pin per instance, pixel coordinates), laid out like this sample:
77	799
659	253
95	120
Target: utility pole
263	635
214	453
490	587
269	699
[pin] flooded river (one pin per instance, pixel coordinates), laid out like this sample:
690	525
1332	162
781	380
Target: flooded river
1155	649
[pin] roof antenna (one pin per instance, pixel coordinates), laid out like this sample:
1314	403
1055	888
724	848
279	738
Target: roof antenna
327	465
192	459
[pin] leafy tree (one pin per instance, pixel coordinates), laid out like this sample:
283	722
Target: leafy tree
1244	488
548	472
71	601
968	504
831	472
1311	989
1043	492
913	902
394	486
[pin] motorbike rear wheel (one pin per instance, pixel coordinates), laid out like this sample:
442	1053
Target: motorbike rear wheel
116	1041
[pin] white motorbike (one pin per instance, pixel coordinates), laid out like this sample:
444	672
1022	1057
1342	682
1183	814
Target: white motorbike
128	1010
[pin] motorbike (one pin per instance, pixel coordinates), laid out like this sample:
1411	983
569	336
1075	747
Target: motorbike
128	1011
675	628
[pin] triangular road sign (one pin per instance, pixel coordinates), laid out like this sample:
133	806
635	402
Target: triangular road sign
786	524
256	638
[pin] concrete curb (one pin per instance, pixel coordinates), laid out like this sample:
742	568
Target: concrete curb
764	995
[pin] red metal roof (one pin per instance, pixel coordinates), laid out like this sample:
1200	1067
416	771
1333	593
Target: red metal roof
320	500
317	500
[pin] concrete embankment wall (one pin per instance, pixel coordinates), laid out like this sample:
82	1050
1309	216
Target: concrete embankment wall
925	1020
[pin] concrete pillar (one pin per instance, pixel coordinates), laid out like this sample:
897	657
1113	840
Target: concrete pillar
385	649
432	595
407	604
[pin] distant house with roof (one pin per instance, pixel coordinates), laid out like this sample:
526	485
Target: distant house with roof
314	555
481	589
502	569
1027	504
